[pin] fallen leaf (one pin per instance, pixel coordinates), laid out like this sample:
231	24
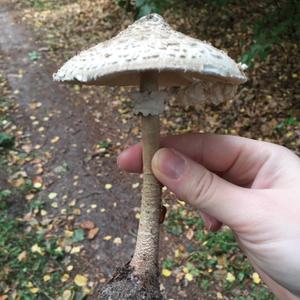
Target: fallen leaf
52	195
18	182
166	272
43	212
55	140
37	249
188	277
107	238
117	241
65	277
22	256
76	249
80	280
108	186
78	236
68	233
27	148
135	185
190	233
230	277
92	233
46	277
256	278
70	268
67	295
87	225
37	182
34	290
54	205
29	197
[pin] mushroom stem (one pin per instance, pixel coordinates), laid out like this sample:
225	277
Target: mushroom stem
145	258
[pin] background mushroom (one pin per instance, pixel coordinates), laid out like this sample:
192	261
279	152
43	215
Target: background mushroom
149	53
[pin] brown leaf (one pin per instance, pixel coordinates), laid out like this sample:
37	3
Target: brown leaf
190	233
18	182
92	233
87	225
22	256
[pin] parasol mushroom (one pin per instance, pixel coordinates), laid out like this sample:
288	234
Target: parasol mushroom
150	54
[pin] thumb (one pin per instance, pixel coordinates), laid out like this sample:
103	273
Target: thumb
203	189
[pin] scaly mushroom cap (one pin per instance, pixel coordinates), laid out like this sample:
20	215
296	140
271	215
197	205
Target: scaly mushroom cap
151	44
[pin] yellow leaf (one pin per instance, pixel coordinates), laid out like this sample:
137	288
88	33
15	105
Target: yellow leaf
22	256
29	197
117	241
43	212
135	185
166	272
108	186
54	205
76	250
34	290
80	280
107	238
70	268
37	185
65	277
52	195
67	295
177	253
68	233
86	291
46	277
55	140
230	277
188	277
256	279
37	249
92	233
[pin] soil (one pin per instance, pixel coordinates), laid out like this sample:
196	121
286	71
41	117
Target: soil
87	173
124	285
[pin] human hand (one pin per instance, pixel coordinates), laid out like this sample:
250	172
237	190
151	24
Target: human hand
251	186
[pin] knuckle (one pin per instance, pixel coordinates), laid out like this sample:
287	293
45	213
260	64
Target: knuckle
203	189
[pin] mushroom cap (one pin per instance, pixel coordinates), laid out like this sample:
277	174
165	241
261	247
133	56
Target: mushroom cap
150	44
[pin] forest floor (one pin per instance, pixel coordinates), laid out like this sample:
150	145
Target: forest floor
68	215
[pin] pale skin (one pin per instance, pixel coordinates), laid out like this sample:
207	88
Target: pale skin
251	186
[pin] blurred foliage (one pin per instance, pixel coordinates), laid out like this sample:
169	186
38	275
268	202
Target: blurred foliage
6	141
277	21
280	21
142	8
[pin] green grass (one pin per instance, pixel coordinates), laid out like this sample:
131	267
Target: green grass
210	256
24	276
32	263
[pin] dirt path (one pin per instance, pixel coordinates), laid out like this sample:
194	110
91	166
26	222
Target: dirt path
85	178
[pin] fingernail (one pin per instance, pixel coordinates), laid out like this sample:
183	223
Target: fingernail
169	162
